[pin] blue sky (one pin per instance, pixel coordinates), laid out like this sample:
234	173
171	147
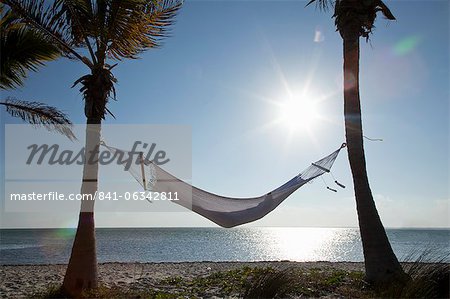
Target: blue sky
224	72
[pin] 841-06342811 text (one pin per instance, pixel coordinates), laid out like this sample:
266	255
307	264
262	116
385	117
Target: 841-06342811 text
142	195
98	195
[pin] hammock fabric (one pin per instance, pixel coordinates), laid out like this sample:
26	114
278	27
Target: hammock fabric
224	211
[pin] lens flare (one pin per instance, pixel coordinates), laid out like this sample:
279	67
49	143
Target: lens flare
407	45
318	36
65	233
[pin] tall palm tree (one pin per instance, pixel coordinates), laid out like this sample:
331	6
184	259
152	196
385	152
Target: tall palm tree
104	31
355	19
24	49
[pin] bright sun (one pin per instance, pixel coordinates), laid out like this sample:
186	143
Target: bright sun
298	113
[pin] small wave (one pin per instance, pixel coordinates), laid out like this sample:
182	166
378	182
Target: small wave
17	246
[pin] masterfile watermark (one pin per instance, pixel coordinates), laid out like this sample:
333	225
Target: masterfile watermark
53	155
50	196
141	168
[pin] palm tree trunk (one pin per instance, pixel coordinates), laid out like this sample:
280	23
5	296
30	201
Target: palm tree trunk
381	264
81	271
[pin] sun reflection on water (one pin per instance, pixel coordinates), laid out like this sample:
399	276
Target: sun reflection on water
307	244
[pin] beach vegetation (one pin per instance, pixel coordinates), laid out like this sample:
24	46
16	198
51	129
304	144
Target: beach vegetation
429	277
244	282
428	280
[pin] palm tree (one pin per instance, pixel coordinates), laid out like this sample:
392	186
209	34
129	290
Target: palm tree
24	49
104	30
355	19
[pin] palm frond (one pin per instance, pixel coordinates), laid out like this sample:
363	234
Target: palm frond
78	15
40	115
108	29
135	26
22	49
80	18
322	4
385	10
49	20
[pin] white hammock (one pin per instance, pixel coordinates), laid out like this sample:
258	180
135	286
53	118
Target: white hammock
224	211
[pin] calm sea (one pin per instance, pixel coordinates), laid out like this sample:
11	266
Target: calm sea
51	246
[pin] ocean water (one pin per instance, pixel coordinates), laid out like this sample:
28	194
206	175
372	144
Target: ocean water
52	246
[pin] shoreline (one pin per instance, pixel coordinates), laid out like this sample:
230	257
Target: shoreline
193	262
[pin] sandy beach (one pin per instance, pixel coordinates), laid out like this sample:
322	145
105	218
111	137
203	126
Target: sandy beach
25	280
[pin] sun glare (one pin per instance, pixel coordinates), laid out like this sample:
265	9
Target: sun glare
298	113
